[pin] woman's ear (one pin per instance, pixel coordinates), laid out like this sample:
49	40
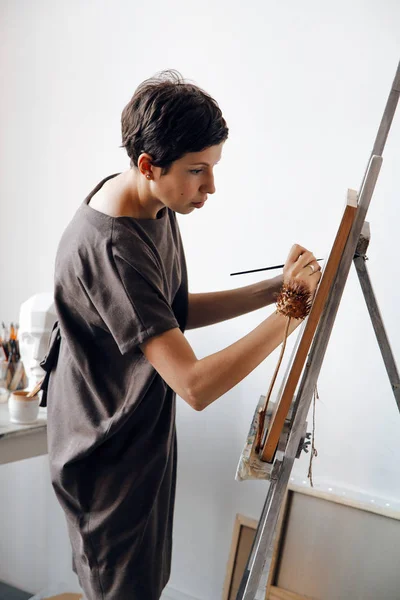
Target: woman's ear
145	165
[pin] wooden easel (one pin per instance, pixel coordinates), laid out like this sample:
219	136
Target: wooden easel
256	574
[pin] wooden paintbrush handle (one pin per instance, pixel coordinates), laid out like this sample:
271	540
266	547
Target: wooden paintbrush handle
36	389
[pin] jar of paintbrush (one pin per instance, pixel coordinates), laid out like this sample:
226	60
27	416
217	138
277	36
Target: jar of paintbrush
22	408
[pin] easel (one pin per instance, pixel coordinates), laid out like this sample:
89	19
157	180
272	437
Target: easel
256	573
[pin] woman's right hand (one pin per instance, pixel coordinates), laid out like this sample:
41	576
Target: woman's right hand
301	266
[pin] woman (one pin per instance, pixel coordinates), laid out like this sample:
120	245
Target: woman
123	304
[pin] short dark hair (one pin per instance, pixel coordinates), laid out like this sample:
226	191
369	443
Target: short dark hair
168	117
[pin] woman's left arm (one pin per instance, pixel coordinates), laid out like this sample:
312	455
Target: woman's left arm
214	307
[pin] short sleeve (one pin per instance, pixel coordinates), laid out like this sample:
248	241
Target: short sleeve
130	296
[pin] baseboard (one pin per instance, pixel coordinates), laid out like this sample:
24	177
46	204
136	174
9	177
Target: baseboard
172	594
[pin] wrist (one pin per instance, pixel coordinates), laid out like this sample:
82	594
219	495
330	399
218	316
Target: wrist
276	287
266	292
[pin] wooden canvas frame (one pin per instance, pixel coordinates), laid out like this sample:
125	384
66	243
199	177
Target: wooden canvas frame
272	592
240	522
288	389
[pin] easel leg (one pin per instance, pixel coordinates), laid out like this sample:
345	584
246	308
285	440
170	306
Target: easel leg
377	322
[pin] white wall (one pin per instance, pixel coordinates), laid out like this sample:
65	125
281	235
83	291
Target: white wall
303	87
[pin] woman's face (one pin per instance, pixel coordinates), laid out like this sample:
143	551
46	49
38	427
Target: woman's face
188	182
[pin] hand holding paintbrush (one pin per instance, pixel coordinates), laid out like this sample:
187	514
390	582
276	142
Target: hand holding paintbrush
264	269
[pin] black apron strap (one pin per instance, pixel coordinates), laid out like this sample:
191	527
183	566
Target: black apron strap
50	360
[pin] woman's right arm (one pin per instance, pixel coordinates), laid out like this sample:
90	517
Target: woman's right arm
201	382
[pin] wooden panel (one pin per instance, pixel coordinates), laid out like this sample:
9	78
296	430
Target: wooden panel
283	405
281	594
245	542
244	531
66	596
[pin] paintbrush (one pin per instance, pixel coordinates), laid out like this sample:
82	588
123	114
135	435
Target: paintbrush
35	390
264	269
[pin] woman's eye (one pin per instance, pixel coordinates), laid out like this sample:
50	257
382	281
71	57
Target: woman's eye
196	171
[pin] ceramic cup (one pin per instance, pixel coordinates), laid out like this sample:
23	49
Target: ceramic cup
23	410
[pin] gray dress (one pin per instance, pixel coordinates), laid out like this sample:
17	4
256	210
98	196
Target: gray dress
111	417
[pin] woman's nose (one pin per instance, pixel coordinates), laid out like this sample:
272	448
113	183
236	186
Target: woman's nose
209	186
